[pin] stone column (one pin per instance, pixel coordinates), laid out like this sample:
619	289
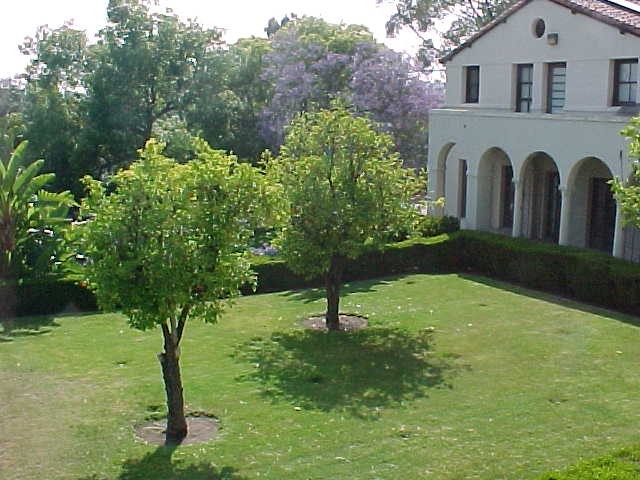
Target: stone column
472	202
516	231
565	215
618	235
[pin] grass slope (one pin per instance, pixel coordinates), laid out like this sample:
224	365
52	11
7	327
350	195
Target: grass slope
510	384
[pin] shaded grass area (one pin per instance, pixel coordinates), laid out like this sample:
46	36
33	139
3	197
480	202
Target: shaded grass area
456	378
361	371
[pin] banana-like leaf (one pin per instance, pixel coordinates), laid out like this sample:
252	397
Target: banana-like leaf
16	161
29	182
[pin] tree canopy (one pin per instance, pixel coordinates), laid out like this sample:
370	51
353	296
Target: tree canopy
88	107
421	17
627	191
313	62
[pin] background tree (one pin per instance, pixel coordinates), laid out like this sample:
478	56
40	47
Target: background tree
420	16
309	65
627	193
345	192
26	210
389	88
168	245
146	67
313	62
53	101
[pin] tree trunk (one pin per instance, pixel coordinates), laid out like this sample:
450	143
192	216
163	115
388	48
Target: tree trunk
169	360
333	280
8	296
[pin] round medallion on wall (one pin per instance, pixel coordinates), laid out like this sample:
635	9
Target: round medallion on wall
539	27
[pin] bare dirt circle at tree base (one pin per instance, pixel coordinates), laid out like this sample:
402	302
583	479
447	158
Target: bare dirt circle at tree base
348	323
201	429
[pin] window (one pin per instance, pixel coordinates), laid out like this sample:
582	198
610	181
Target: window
625	82
556	86
462	183
539	28
472	90
524	87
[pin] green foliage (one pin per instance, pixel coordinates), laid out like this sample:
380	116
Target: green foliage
628	193
622	465
26	212
52	109
431	226
146	66
422	16
11	133
170	238
343	189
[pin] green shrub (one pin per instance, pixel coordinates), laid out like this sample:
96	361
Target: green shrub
584	275
622	465
431	226
50	296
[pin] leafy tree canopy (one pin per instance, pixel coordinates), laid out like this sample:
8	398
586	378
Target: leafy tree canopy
421	17
628	192
313	62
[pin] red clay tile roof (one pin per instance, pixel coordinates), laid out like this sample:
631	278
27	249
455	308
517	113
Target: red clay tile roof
627	20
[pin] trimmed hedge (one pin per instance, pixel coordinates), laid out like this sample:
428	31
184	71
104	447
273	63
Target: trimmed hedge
52	296
424	255
584	275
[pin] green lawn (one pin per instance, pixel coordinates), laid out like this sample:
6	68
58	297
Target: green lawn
510	384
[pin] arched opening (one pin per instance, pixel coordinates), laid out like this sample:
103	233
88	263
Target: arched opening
441	176
593	208
495	192
541	198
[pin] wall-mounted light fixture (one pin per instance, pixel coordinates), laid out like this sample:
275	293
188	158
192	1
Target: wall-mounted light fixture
552	38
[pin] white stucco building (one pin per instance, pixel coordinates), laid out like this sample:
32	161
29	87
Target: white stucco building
529	135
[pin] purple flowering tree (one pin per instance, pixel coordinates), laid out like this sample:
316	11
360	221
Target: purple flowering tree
392	90
313	62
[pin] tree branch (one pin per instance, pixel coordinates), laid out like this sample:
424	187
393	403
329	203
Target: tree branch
182	321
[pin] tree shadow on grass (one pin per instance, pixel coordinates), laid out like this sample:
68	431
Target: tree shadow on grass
359	372
159	465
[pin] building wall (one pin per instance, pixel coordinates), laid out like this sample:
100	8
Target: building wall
587	45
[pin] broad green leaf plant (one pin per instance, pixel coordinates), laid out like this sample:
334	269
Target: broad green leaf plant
26	208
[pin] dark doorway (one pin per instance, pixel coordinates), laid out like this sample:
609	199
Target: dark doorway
553	203
602	218
507	197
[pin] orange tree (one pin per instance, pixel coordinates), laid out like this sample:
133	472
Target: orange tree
166	243
345	192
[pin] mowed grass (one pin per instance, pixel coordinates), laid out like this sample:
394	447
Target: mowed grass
508	385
